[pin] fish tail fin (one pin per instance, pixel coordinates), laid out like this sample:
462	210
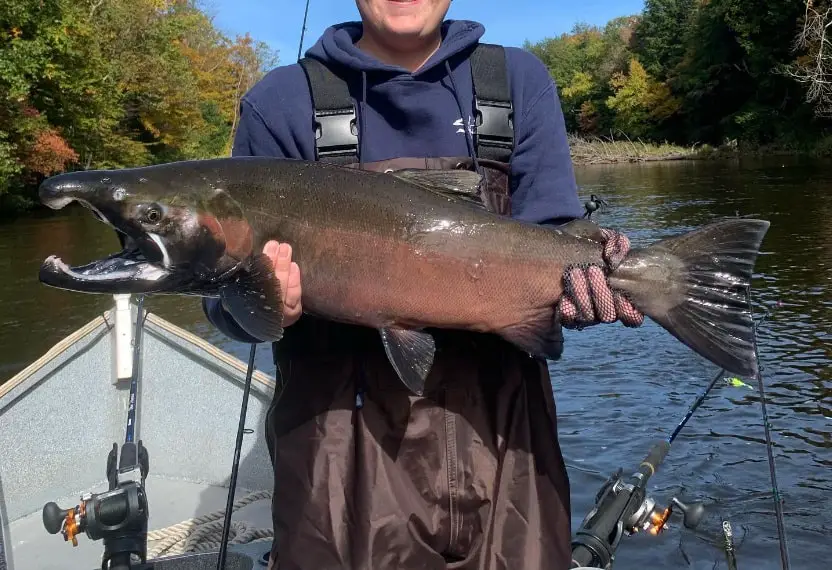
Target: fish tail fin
695	286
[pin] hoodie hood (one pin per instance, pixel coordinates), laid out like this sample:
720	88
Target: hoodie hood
386	86
337	45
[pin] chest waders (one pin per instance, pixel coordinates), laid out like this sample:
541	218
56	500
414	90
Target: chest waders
370	476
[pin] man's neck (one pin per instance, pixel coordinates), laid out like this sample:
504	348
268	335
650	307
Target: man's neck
410	59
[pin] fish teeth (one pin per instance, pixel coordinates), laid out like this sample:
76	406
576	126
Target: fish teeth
161	244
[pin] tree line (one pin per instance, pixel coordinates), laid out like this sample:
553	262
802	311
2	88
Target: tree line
115	83
756	72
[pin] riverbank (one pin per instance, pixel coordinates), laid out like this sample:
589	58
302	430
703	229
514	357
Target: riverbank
608	150
585	151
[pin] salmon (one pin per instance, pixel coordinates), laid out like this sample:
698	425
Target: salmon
403	252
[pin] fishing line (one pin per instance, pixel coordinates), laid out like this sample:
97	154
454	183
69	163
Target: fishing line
778	503
704	395
226	525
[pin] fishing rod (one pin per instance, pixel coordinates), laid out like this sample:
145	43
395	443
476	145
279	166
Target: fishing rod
720	374
622	506
778	503
303	29
118	516
235	466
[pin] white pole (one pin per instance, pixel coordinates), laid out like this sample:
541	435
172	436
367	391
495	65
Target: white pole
123	339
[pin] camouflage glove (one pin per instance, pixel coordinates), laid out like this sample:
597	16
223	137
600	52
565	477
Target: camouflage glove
587	299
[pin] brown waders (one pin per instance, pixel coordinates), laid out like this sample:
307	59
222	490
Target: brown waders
369	476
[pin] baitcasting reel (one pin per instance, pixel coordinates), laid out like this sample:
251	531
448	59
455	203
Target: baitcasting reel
622	506
118	516
649	517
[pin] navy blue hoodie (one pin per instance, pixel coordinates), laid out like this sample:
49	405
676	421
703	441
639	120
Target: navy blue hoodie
425	113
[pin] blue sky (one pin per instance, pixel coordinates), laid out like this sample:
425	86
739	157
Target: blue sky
278	22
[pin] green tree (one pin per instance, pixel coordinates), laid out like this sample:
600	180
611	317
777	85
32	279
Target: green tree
108	84
729	76
700	71
641	103
582	64
657	36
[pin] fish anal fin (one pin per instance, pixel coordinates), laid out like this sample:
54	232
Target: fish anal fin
411	353
461	185
540	336
254	299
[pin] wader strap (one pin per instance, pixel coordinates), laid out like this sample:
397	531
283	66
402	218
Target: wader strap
493	110
336	129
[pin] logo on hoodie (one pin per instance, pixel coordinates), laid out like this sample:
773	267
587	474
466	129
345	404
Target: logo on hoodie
471	127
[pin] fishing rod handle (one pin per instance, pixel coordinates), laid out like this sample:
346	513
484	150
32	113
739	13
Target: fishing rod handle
584	557
655	457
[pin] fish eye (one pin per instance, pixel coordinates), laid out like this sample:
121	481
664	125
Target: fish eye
153	214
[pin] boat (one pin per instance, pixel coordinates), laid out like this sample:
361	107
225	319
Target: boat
61	416
130	377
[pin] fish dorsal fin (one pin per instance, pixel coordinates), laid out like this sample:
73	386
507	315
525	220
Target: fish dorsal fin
461	185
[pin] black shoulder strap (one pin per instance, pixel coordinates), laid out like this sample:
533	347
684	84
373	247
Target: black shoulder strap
493	109
336	130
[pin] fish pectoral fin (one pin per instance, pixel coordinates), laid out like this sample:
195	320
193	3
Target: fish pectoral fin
541	337
254	299
461	185
411	354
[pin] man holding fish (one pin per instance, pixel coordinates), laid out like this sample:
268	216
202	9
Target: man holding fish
471	472
414	289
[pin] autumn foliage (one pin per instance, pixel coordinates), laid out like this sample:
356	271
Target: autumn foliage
116	83
49	154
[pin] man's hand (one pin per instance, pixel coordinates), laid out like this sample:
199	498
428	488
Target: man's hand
288	274
588	299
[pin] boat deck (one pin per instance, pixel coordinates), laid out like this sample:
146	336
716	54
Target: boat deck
61	415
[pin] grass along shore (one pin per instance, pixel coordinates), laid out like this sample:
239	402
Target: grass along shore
607	150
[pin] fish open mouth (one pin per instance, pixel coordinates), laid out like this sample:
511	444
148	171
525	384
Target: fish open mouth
129	271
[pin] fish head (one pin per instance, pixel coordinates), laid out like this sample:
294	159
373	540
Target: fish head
180	234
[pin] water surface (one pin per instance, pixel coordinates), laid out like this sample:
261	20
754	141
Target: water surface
617	389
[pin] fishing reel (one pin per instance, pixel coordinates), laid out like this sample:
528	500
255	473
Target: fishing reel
622	507
118	516
649	517
98	515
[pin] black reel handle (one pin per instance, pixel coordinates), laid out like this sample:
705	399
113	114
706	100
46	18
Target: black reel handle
54	517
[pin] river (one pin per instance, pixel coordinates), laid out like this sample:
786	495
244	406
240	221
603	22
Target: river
617	389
